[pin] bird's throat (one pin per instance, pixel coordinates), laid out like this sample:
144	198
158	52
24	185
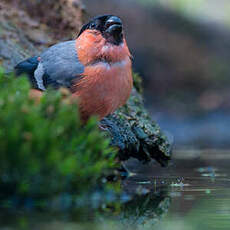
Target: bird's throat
92	48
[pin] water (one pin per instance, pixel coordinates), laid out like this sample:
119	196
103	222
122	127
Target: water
198	186
206	131
192	193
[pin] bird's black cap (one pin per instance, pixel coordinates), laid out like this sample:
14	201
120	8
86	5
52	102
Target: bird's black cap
110	27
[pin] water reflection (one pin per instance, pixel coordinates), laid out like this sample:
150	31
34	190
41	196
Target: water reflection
145	209
198	185
192	193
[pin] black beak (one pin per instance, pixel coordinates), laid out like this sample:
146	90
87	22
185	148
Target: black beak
113	30
113	21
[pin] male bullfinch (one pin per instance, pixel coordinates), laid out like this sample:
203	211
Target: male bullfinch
96	67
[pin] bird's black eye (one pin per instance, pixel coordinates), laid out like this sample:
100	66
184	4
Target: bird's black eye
93	25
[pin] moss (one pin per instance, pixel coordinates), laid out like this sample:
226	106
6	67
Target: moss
45	150
137	81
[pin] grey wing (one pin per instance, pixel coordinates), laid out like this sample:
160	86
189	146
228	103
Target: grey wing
59	66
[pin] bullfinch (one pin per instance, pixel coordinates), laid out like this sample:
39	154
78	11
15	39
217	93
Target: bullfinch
96	67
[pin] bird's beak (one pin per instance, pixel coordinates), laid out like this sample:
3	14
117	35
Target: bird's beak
113	30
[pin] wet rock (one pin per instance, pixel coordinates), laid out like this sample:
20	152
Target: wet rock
136	135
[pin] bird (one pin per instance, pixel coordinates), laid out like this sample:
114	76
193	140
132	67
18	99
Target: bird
96	67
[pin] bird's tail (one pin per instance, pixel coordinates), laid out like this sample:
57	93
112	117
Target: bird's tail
28	68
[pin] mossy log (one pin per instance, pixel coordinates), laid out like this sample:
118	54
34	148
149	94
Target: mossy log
136	135
23	34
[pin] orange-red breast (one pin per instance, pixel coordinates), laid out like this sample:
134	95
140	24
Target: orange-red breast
96	67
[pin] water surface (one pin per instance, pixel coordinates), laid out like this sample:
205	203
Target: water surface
198	185
193	193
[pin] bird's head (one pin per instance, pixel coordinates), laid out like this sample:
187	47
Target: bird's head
102	39
109	26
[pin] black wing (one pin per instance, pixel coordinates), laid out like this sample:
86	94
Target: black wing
28	68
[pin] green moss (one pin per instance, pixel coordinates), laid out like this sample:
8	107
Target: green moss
137	81
45	150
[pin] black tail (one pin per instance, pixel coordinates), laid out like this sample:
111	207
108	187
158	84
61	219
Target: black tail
28	68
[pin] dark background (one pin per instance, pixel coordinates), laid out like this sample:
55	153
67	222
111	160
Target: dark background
182	51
